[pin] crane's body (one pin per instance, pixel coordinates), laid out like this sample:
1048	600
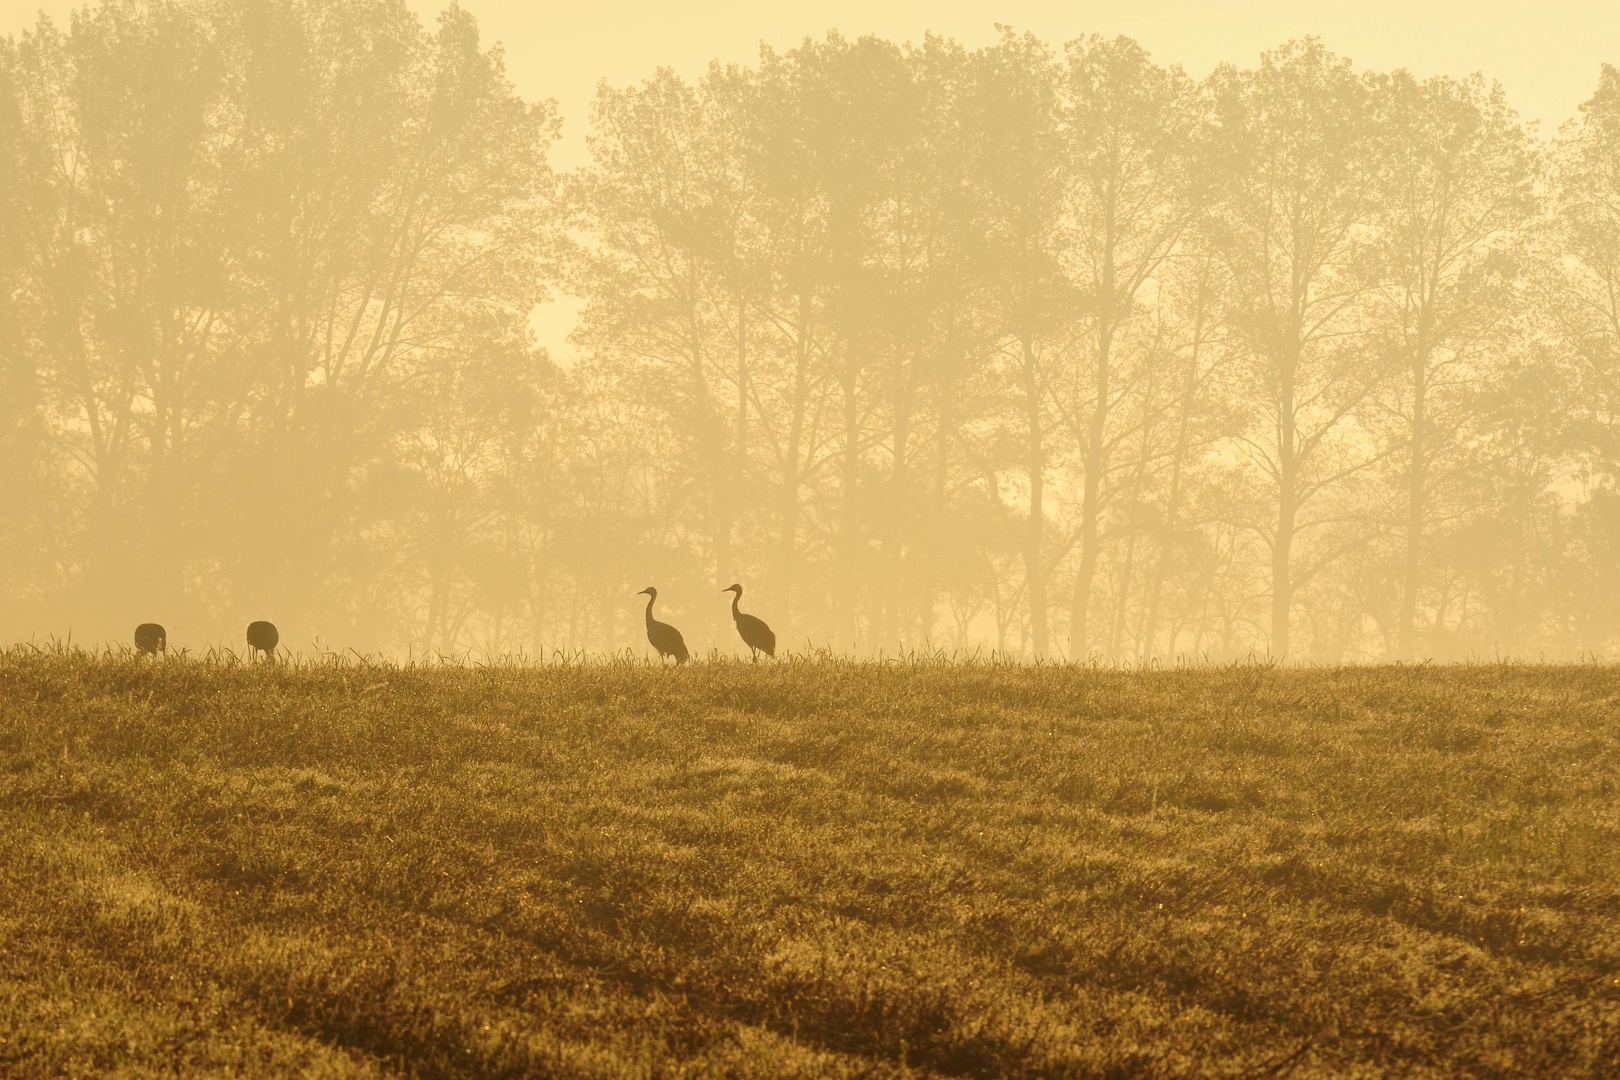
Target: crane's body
263	637
662	636
755	634
151	639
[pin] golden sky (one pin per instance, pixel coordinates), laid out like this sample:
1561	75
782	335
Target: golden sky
1545	53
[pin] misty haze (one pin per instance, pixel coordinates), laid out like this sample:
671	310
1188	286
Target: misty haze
894	556
1040	349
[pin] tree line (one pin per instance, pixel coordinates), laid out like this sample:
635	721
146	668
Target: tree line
1054	351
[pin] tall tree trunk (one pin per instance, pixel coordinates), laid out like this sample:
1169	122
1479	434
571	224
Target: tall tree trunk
160	547
889	585
1172	506
734	493
788	509
710	426
1090	512
850	541
1035	527
1091	497
539	612
1123	596
1282	586
1415	481
940	510
1132	525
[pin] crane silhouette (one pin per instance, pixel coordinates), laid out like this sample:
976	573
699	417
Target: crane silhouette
664	637
755	634
263	637
151	639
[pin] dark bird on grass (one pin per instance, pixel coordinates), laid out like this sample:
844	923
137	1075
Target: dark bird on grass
151	639
263	637
755	634
664	637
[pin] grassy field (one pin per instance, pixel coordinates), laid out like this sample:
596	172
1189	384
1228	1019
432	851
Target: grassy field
807	869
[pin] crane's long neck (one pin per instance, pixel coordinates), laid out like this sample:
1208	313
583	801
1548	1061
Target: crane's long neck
650	599
736	595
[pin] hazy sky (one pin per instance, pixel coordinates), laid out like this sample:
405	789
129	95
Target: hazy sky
1546	53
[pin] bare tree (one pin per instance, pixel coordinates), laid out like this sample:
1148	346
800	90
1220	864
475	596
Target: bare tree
1453	201
1292	153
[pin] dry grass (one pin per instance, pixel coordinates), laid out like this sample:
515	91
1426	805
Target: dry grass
806	869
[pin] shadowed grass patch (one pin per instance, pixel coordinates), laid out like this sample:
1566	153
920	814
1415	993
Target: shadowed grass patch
813	869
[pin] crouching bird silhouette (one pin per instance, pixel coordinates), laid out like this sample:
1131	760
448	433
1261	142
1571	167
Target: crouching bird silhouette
664	637
752	629
262	637
151	639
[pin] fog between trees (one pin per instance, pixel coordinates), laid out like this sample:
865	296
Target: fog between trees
1047	350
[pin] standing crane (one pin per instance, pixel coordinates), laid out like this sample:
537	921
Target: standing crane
752	629
151	639
664	637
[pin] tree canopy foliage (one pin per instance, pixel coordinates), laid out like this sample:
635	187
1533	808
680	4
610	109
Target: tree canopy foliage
1053	351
